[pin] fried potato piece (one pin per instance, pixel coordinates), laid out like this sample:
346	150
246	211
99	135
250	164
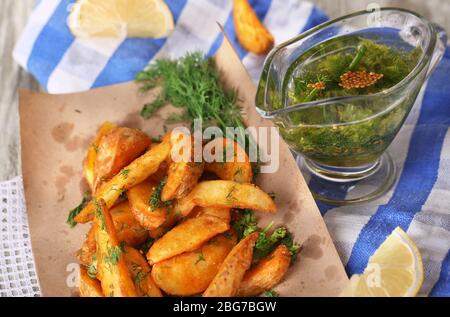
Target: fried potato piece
225	194
89	287
190	273
186	236
89	247
252	34
141	272
231	272
267	273
181	178
184	171
135	173
89	162
127	227
222	213
112	270
138	198
236	168
116	149
171	220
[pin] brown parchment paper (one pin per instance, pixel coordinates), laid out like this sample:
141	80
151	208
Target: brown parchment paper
55	133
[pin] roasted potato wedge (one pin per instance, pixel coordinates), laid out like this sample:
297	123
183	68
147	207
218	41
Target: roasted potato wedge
116	149
171	220
225	194
184	171
251	33
127	227
222	213
236	168
186	236
89	162
181	178
89	247
141	272
190	273
112	269
89	287
135	173
231	272
138	198
267	273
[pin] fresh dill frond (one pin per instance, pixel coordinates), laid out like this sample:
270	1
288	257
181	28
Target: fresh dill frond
74	212
155	199
150	108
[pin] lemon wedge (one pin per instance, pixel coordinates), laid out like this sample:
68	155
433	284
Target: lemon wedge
395	269
120	18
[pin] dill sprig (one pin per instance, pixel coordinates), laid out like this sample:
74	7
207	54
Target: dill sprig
155	199
74	212
193	83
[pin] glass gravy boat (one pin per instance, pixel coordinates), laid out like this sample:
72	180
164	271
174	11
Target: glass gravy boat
342	151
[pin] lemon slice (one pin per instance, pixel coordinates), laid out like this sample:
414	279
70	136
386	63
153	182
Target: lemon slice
120	18
395	269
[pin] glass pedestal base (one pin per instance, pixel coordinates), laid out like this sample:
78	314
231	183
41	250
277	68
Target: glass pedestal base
345	186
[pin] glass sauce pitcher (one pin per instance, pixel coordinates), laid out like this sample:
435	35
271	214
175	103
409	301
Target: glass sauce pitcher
341	142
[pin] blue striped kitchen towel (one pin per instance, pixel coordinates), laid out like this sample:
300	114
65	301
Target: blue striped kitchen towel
420	200
62	63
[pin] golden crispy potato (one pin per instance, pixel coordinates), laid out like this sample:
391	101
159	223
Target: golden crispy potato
141	272
89	162
266	274
181	178
171	220
186	236
112	269
89	287
184	171
138	198
190	273
89	247
116	149
135	173
231	272
222	213
252	34
225	194
236	168
127	227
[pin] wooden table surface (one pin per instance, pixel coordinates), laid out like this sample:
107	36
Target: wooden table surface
13	16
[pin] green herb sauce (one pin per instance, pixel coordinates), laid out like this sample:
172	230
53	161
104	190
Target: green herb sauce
347	133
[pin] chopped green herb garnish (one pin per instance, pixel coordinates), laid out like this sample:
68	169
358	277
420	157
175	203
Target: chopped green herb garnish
271	293
74	212
200	258
99	214
155	199
272	195
92	268
245	223
124	173
113	255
